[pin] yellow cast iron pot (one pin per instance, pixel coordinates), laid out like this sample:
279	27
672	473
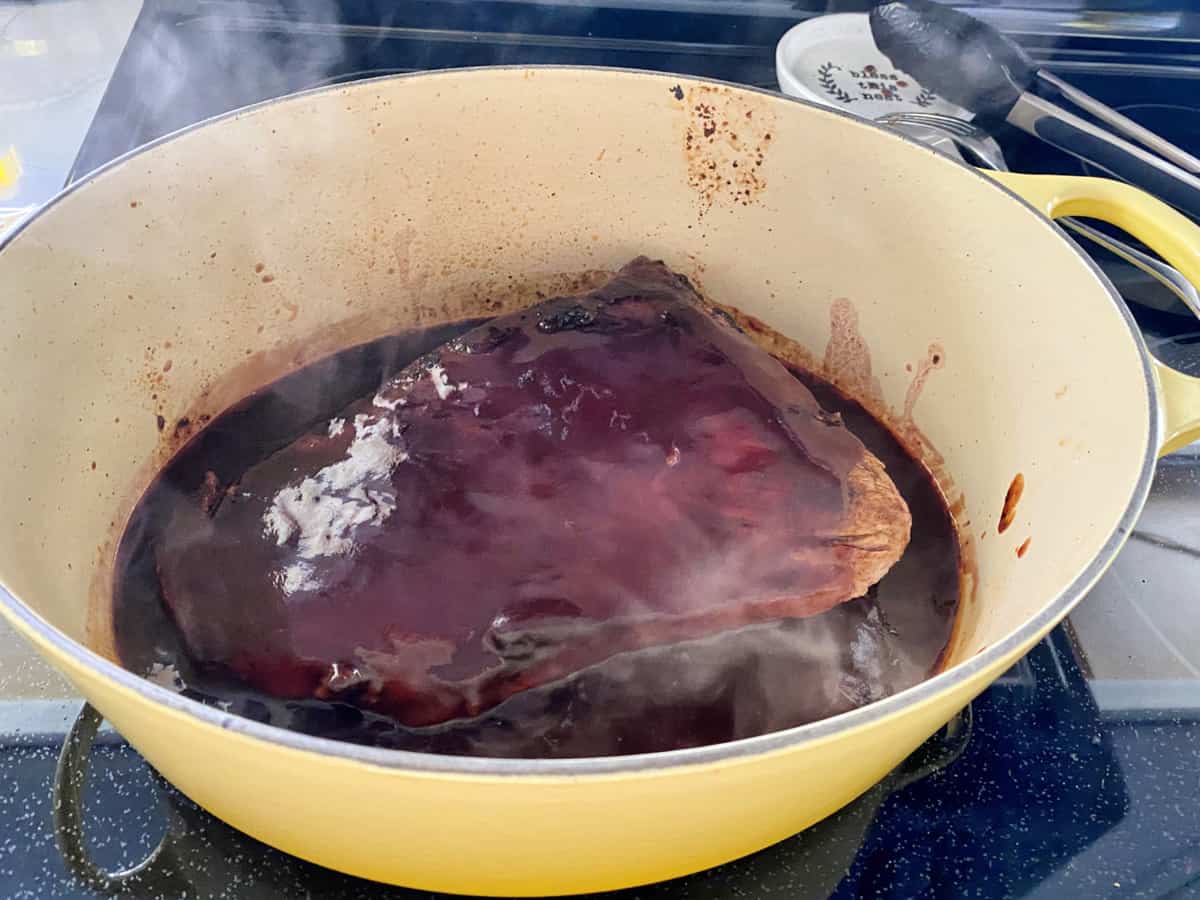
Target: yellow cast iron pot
192	271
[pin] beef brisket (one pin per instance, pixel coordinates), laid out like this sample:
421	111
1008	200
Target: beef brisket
592	475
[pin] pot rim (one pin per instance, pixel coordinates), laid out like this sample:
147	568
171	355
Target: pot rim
437	764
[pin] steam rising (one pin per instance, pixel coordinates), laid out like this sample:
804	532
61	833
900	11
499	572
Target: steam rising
261	47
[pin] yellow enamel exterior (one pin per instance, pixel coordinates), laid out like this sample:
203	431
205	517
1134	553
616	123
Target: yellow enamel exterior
1179	395
398	202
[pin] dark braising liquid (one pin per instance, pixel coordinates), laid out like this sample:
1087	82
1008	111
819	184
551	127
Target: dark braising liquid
735	684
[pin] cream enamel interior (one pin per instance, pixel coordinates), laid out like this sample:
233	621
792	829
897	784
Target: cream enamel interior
278	234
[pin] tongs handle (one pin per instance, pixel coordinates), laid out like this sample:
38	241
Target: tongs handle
1121	123
972	64
1114	155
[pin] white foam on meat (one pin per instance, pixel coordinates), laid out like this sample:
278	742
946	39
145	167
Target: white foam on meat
442	384
384	403
323	512
297	577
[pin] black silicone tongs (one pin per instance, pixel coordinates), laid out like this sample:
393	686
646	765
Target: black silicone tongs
975	66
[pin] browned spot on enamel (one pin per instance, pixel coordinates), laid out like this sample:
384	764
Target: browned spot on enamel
267	279
935	359
847	357
723	164
1013	496
167	366
258	267
1024	548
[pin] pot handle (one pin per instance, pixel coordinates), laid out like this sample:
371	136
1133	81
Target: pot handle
1179	400
157	874
1172	235
945	747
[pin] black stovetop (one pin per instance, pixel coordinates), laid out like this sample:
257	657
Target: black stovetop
1062	780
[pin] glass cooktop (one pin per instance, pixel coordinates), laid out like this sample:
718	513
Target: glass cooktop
1076	775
